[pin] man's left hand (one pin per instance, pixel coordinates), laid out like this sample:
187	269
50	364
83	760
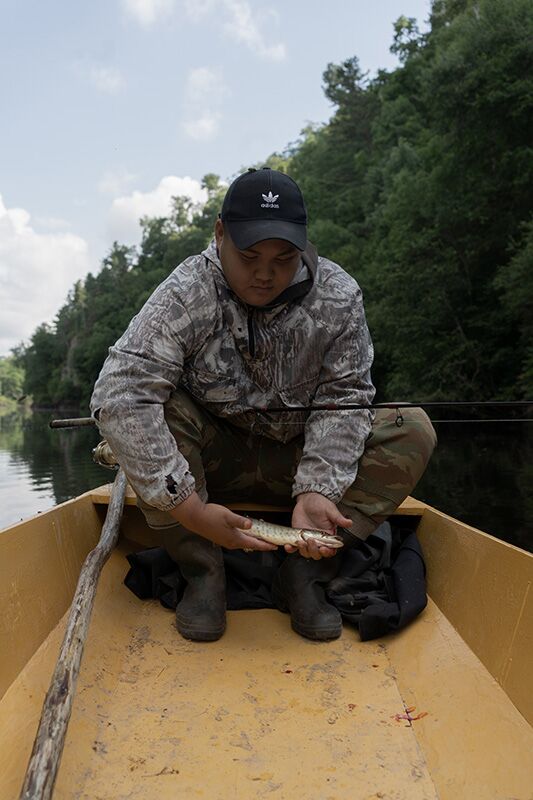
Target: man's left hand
315	512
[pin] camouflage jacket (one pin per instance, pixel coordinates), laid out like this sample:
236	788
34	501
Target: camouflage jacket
310	345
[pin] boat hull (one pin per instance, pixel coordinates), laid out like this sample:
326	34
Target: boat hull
262	711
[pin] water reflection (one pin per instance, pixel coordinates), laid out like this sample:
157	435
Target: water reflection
40	467
481	473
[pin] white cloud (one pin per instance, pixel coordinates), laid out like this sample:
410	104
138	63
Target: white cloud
205	84
242	27
116	182
36	272
106	79
205	91
146	12
196	9
126	211
52	223
204	127
242	24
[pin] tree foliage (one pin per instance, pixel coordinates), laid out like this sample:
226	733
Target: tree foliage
419	185
11	378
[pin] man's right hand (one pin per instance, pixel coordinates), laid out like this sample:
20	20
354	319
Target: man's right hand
218	524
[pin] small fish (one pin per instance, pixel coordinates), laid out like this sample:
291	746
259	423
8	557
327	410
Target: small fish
281	535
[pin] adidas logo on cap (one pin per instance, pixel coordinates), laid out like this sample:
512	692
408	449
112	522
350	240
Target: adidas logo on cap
270	200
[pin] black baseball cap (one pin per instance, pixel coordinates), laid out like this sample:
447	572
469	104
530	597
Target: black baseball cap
265	204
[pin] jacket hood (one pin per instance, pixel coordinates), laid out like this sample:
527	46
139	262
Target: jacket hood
301	284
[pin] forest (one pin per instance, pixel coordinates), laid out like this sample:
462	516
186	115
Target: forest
419	186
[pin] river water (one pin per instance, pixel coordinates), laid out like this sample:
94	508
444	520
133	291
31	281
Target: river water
481	473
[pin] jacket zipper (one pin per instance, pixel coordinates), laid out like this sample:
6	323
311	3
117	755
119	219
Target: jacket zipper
251	337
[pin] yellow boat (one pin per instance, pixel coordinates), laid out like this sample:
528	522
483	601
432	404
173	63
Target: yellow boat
442	709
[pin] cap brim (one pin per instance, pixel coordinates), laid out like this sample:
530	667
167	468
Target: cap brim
246	233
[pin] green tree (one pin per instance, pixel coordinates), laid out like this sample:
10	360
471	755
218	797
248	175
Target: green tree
515	281
11	378
42	359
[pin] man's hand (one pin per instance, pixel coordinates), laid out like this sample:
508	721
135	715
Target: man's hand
316	512
218	524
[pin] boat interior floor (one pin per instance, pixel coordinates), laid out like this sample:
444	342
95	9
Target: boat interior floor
265	713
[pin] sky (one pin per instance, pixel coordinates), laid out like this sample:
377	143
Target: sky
110	108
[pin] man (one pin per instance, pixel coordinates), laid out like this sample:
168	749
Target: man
257	320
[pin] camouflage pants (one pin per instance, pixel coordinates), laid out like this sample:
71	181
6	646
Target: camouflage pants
231	465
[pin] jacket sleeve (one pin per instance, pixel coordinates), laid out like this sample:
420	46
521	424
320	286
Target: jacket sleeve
141	371
335	440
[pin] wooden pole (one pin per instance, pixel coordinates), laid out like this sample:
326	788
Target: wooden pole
78	422
48	745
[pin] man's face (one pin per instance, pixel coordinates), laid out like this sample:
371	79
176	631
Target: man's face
259	274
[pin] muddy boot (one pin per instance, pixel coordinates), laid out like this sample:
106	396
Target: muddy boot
299	587
201	613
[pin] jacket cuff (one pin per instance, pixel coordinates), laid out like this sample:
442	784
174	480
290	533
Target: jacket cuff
186	488
319	488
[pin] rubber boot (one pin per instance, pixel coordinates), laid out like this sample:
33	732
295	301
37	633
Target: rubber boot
201	613
298	587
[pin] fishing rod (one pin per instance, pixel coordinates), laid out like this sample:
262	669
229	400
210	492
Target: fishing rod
398	406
